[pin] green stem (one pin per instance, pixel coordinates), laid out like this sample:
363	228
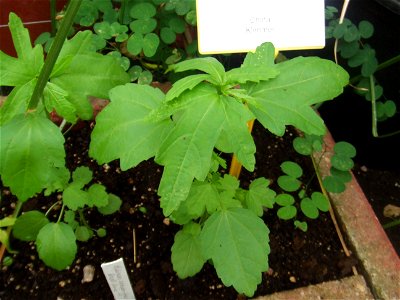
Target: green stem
381	66
55	49
373	103
82	218
61	213
391	224
53	12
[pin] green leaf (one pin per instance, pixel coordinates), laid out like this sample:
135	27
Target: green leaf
186	257
345	149
113	205
177	24
260	196
5	240
7	221
340	30
209	65
81	43
351	34
74	197
101	232
28	225
83	233
124	131
253	74
202	195
366	29
16	102
187	150
135	43
167	35
309	208
150	44
20	36
146	77
184	84
333	184
69	217
16	72
143	26
287	212
237	242
289	183
90	75
97	195
235	136
229	185
301	225
56	245
142	11
286	99
320	201
103	29
302	146
32	155
344	176
263	56
56	98
82	176
292	169
348	50
342	162
284	199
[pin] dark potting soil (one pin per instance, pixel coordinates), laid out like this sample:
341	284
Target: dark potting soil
296	259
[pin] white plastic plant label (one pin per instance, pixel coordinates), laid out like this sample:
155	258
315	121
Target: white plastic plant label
118	280
226	26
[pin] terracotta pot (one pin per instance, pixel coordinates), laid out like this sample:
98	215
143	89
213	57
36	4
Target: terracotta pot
35	14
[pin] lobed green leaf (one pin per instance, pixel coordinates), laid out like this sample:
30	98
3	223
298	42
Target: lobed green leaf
124	131
186	256
32	155
237	242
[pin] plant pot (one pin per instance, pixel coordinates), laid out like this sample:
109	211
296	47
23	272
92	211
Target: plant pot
34	13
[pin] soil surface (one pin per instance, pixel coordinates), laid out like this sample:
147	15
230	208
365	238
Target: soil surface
297	258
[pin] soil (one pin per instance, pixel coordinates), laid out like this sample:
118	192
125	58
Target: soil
297	258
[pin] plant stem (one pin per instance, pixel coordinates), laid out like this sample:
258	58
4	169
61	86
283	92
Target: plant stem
391	224
373	103
381	66
53	12
14	215
55	49
61	213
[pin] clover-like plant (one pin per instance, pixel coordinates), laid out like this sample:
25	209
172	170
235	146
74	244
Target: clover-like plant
352	46
341	160
208	112
56	241
147	33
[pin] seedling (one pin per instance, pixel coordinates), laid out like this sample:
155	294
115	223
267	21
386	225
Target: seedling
201	113
56	241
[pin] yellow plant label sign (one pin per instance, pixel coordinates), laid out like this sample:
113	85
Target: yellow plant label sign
229	26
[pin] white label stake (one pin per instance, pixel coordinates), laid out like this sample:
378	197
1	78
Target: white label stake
226	26
118	280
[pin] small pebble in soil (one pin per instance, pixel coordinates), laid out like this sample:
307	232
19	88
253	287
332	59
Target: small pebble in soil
88	273
364	168
292	279
166	221
62	283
